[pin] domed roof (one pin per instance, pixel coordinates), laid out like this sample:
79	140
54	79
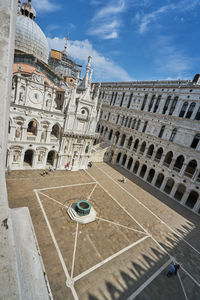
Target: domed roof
30	38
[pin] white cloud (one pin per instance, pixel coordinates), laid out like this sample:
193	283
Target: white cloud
104	68
106	22
45	5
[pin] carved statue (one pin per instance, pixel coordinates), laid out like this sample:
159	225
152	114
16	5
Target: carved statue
16	156
21	95
41	156
18	132
43	135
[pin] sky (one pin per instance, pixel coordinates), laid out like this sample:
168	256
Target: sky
127	39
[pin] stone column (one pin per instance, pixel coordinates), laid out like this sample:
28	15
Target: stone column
24	135
197	206
38	137
178	108
173	191
163	184
184	166
48	137
194	111
185	196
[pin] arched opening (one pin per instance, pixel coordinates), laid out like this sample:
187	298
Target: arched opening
192	199
55	132
169	185
159	154
118	157
32	128
102	128
183	109
123	140
116	139
129	123
179	192
130	140
168	159
150	151
124	159
190	110
159	180
50	158
133	124
143	171
151	175
130	163
136	166
195	141
98	128
135	145
28	158
191	168
142	148
179	163
111	155
110	134
173	134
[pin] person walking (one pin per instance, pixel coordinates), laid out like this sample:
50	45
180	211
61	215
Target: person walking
124	179
177	267
171	270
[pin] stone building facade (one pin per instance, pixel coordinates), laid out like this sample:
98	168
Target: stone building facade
51	122
154	132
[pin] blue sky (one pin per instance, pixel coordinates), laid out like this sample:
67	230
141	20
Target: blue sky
127	39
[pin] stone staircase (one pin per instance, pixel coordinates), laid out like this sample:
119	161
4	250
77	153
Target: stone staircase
99	152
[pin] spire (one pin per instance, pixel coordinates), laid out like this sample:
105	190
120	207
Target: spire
66	42
87	79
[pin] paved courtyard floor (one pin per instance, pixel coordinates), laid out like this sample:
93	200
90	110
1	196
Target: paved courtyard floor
126	252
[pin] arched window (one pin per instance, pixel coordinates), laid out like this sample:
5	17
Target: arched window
144	102
172	108
179	163
168	159
136	167
130	140
151	175
136	145
118	157
126	122
195	141
122	122
110	134
124	159
159	180
150	151
138	125
169	185
192	199
166	104
161	131
130	163
129	101
55	131
133	125
197	117
151	102
183	109
102	128
98	128
190	110
159	154
173	134
117	134
157	104
180	192
145	126
130	121
143	171
191	168
32	128
142	148
123	140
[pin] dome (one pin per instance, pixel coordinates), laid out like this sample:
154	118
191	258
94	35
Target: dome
30	38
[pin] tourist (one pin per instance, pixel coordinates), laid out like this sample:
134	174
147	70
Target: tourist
90	164
171	270
176	266
124	179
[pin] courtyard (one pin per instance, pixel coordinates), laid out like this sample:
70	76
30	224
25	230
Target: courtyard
126	252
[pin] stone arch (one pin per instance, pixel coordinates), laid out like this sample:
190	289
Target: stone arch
118	157
55	131
180	192
102	129
168	159
191	168
159	180
116	138
159	154
32	127
124	159
130	162
110	134
136	167
150	175
178	163
169	185
142	148
51	158
143	171
130	141
195	141
192	199
123	140
150	150
28	157
98	127
136	144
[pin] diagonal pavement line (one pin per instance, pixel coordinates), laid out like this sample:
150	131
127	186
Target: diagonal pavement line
197	283
109	259
92	192
149	280
121	225
52	199
63	186
150	211
74	254
184	292
57	248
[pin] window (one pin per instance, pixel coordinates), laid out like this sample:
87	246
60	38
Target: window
133	125
145	126
183	109
115	98
172	108
125	124
111	98
129	102
144	102
122	100
173	134
130	121
157	104
161	131
197	117
122	120
151	102
138	125
195	141
190	110
108	116
166	104
117	119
